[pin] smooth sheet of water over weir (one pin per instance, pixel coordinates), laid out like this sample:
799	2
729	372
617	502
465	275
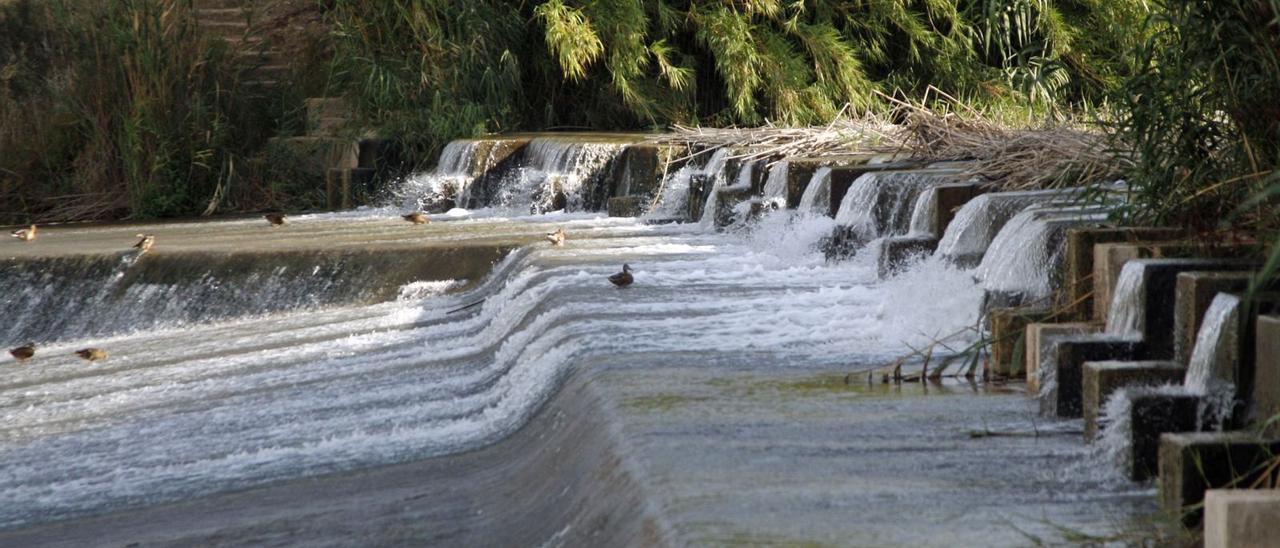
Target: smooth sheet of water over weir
200	408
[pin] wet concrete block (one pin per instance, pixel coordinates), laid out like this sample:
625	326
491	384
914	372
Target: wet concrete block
1152	416
842	178
801	170
1193	463
627	206
1062	395
1101	379
1241	518
1078	290
1008	330
1109	259
1266	392
1040	337
1160	295
950	198
1194	291
898	253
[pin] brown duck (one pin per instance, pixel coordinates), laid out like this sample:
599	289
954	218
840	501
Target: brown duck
276	219
26	234
92	354
556	238
145	243
417	218
624	278
24	353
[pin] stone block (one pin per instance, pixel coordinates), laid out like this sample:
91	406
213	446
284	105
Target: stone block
1008	329
1241	518
1160	277
1101	379
898	253
1078	291
950	198
1194	291
1266	392
1152	415
1193	463
1109	259
627	206
1041	337
1062	392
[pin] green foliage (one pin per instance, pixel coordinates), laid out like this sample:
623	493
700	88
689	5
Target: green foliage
1200	114
110	109
631	64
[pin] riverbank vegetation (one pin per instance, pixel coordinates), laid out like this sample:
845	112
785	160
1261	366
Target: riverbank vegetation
128	109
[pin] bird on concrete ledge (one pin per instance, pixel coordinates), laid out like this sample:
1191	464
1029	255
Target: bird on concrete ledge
624	278
556	238
26	234
92	354
276	219
145	243
417	218
24	353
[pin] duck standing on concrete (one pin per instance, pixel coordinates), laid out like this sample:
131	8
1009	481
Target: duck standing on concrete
145	243
26	234
276	219
24	353
556	238
417	218
92	354
624	278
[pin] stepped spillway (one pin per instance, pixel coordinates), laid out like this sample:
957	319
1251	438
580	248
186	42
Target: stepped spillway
472	348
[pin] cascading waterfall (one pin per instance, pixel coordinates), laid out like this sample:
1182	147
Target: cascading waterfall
448	184
1211	371
65	299
923	222
976	225
817	194
1210	376
677	187
1127	315
557	174
881	203
775	186
1019	263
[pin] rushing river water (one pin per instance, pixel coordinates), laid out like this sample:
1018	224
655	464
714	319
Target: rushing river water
334	382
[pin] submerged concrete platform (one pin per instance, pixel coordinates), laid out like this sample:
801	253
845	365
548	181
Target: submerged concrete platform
690	454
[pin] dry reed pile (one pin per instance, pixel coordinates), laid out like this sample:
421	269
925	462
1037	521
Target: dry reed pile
1008	157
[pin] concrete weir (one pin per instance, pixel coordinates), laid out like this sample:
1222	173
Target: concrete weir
467	382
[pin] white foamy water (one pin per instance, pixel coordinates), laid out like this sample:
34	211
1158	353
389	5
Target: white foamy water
817	194
178	412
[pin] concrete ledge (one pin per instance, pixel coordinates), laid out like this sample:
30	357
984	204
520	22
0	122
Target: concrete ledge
1102	379
1040	337
1193	293
1150	417
1008	329
898	253
1266	392
1241	518
1064	397
1191	464
1078	286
